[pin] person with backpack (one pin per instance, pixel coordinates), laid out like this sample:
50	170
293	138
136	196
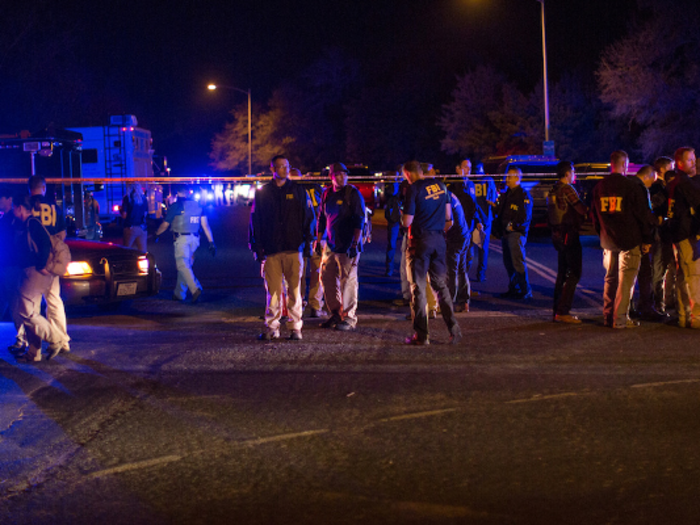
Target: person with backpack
134	210
31	251
566	214
52	217
341	223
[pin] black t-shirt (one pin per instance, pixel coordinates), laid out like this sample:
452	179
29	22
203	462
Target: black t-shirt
135	212
342	212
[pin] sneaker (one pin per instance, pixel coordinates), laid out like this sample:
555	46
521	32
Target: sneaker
455	337
417	341
26	357
332	322
317	314
510	294
524	296
195	295
432	314
53	350
461	307
654	316
344	326
388	272
17	348
567	319
268	335
401	302
295	335
631	323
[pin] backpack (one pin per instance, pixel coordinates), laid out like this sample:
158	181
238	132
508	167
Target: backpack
59	256
392	211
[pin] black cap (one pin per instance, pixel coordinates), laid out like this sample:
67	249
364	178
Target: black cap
338	166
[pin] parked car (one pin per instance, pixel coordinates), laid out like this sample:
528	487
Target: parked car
106	274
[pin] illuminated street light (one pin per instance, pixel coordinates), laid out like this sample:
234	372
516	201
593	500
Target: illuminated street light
213	87
548	146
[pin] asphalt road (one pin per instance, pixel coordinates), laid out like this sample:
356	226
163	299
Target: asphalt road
172	413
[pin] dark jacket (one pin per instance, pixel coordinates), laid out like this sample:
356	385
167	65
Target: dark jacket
514	207
460	230
683	206
620	213
466	193
340	214
280	220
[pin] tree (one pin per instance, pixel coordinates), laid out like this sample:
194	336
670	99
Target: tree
230	147
465	120
304	120
651	77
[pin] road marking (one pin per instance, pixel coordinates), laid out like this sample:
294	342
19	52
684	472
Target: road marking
417	415
134	466
539	397
550	275
283	437
664	383
415	509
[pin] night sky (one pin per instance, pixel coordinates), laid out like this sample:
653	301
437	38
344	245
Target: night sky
154	58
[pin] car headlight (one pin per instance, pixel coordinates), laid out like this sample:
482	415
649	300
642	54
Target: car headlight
78	268
144	265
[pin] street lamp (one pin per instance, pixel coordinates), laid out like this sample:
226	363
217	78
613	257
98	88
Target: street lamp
212	87
548	146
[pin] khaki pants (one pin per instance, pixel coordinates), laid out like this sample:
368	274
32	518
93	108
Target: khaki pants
315	286
37	327
687	285
340	285
185	246
621	269
278	269
135	236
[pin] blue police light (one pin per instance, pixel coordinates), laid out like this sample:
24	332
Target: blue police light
197	196
210	196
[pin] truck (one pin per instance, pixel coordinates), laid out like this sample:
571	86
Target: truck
539	175
120	150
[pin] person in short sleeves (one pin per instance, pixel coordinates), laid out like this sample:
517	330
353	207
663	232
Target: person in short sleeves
341	218
428	214
186	217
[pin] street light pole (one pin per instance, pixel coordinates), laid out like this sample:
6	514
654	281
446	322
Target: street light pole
544	76
212	87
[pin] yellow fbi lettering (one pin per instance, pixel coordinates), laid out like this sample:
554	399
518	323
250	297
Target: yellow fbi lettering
47	215
434	191
610	204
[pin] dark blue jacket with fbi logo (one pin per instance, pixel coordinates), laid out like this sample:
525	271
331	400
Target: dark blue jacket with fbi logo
50	215
683	207
340	214
426	200
620	213
280	220
514	207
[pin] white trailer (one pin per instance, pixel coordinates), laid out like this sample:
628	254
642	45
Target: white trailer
119	150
